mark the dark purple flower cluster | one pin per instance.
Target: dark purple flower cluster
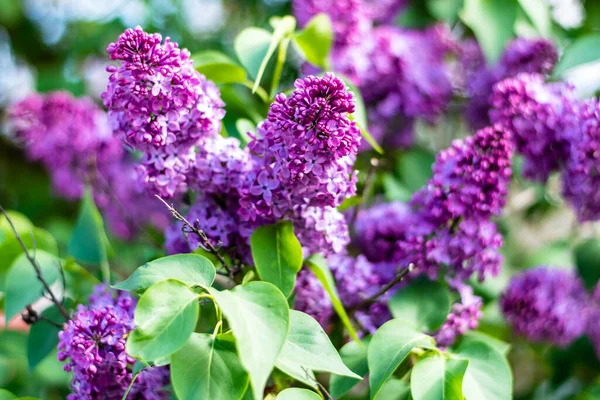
(546, 305)
(581, 174)
(93, 342)
(520, 56)
(464, 316)
(159, 104)
(73, 140)
(538, 115)
(401, 73)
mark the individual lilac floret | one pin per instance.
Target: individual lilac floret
(581, 174)
(321, 230)
(464, 316)
(310, 297)
(347, 17)
(304, 151)
(470, 178)
(93, 342)
(539, 116)
(155, 96)
(520, 56)
(546, 305)
(357, 279)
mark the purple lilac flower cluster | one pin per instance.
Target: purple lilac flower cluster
(72, 139)
(520, 56)
(546, 305)
(464, 316)
(401, 73)
(160, 105)
(93, 344)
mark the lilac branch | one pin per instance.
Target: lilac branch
(397, 279)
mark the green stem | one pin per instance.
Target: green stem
(260, 92)
(281, 55)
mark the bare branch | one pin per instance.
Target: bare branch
(397, 279)
(36, 267)
(319, 385)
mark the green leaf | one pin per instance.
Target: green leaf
(315, 40)
(88, 242)
(446, 10)
(317, 264)
(218, 67)
(492, 23)
(243, 126)
(488, 375)
(587, 259)
(22, 285)
(583, 50)
(500, 346)
(191, 269)
(6, 395)
(10, 248)
(43, 337)
(394, 389)
(354, 355)
(308, 347)
(390, 345)
(360, 116)
(277, 255)
(436, 377)
(258, 314)
(208, 367)
(414, 168)
(394, 190)
(538, 11)
(22, 224)
(424, 303)
(80, 283)
(165, 318)
(297, 394)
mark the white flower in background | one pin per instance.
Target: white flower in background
(17, 78)
(212, 11)
(585, 78)
(95, 76)
(567, 13)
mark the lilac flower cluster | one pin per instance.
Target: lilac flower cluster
(159, 104)
(520, 56)
(72, 139)
(93, 342)
(538, 115)
(464, 316)
(310, 297)
(401, 73)
(546, 305)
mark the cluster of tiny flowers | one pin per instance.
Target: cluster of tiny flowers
(546, 305)
(160, 105)
(464, 316)
(520, 56)
(581, 175)
(310, 297)
(470, 178)
(321, 230)
(73, 140)
(538, 115)
(401, 73)
(93, 342)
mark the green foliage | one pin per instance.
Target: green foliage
(192, 269)
(208, 367)
(165, 318)
(258, 314)
(307, 347)
(22, 224)
(360, 116)
(488, 375)
(538, 11)
(354, 355)
(315, 41)
(88, 242)
(22, 284)
(277, 255)
(218, 67)
(423, 303)
(318, 265)
(587, 260)
(6, 395)
(414, 168)
(581, 51)
(446, 10)
(389, 347)
(436, 377)
(43, 337)
(492, 23)
(80, 283)
(297, 394)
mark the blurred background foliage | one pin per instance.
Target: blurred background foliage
(48, 45)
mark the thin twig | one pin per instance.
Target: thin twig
(319, 385)
(31, 316)
(204, 241)
(371, 299)
(37, 269)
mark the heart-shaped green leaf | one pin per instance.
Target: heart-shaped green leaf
(436, 377)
